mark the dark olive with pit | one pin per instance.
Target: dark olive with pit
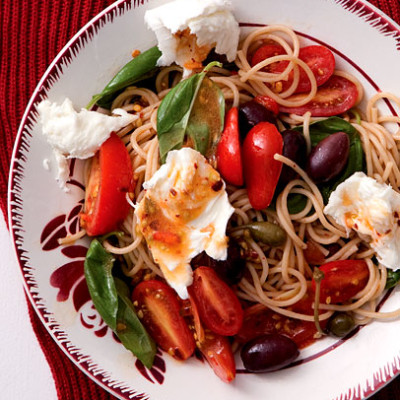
(340, 324)
(268, 352)
(294, 148)
(231, 270)
(329, 157)
(252, 113)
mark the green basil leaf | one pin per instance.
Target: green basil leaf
(320, 130)
(135, 70)
(98, 274)
(393, 278)
(192, 114)
(296, 203)
(129, 328)
(206, 120)
(111, 298)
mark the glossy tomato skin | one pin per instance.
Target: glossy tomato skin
(218, 352)
(111, 178)
(217, 304)
(229, 158)
(158, 306)
(261, 170)
(319, 58)
(260, 320)
(269, 103)
(335, 97)
(343, 279)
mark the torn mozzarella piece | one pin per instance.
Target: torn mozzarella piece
(187, 30)
(185, 211)
(372, 209)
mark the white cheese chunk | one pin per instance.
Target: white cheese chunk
(185, 211)
(210, 21)
(372, 209)
(75, 134)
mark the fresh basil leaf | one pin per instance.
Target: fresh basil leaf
(296, 203)
(393, 278)
(135, 70)
(98, 274)
(206, 120)
(192, 113)
(111, 298)
(320, 130)
(129, 328)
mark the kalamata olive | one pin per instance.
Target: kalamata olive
(266, 232)
(340, 324)
(329, 157)
(268, 353)
(230, 271)
(294, 148)
(252, 113)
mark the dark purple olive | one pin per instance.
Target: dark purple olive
(268, 353)
(230, 271)
(328, 158)
(252, 113)
(294, 148)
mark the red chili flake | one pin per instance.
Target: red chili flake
(217, 186)
(196, 166)
(173, 192)
(355, 226)
(396, 214)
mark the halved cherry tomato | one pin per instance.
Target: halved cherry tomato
(343, 280)
(261, 170)
(259, 320)
(229, 158)
(111, 178)
(218, 352)
(319, 58)
(334, 97)
(269, 103)
(216, 348)
(217, 304)
(159, 308)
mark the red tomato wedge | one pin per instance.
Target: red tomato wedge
(319, 58)
(158, 306)
(269, 103)
(218, 352)
(217, 304)
(259, 320)
(333, 98)
(229, 158)
(261, 170)
(343, 280)
(111, 178)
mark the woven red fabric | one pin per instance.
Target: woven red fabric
(31, 34)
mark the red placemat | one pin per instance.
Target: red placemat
(31, 35)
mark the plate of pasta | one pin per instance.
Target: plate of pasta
(216, 198)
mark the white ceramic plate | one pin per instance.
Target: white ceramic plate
(365, 42)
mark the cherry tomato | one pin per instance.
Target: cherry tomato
(217, 304)
(159, 307)
(215, 348)
(111, 178)
(336, 96)
(319, 58)
(229, 158)
(343, 280)
(218, 352)
(269, 103)
(261, 170)
(259, 320)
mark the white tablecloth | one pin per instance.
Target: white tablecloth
(24, 372)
